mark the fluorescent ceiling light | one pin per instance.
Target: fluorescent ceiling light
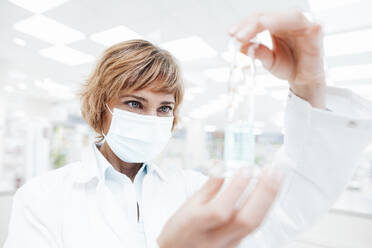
(19, 114)
(66, 55)
(220, 74)
(348, 43)
(54, 89)
(9, 88)
(17, 75)
(22, 86)
(48, 30)
(349, 73)
(38, 6)
(114, 35)
(19, 42)
(190, 48)
(195, 90)
(321, 5)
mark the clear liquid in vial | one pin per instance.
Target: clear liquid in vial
(239, 147)
(239, 144)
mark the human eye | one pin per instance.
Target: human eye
(134, 104)
(165, 109)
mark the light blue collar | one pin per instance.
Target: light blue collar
(90, 169)
(105, 169)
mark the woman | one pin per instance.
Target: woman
(115, 197)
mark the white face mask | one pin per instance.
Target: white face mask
(137, 138)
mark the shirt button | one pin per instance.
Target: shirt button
(352, 124)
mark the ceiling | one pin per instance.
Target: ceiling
(27, 73)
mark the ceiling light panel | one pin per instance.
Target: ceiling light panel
(114, 35)
(348, 43)
(321, 5)
(190, 48)
(220, 74)
(66, 55)
(350, 73)
(48, 30)
(19, 42)
(38, 6)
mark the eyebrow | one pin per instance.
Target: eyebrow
(136, 97)
(145, 100)
(167, 102)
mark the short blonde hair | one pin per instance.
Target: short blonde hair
(131, 65)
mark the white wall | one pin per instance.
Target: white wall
(5, 208)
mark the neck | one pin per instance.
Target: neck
(128, 169)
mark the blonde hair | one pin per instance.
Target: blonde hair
(131, 65)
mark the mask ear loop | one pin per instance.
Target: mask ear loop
(111, 114)
(108, 108)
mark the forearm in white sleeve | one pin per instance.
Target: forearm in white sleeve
(320, 152)
(26, 228)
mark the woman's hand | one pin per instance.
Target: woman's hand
(297, 54)
(221, 219)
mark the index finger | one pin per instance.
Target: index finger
(261, 199)
(230, 196)
(281, 22)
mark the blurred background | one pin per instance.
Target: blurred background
(49, 47)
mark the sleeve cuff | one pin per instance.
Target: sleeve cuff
(348, 112)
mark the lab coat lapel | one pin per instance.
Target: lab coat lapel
(114, 216)
(161, 198)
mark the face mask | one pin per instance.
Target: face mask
(136, 138)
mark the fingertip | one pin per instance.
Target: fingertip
(242, 35)
(262, 53)
(244, 172)
(315, 29)
(233, 30)
(273, 174)
(215, 180)
(210, 188)
(231, 34)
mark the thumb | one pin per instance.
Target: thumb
(262, 53)
(314, 38)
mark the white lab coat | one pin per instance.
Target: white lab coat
(71, 207)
